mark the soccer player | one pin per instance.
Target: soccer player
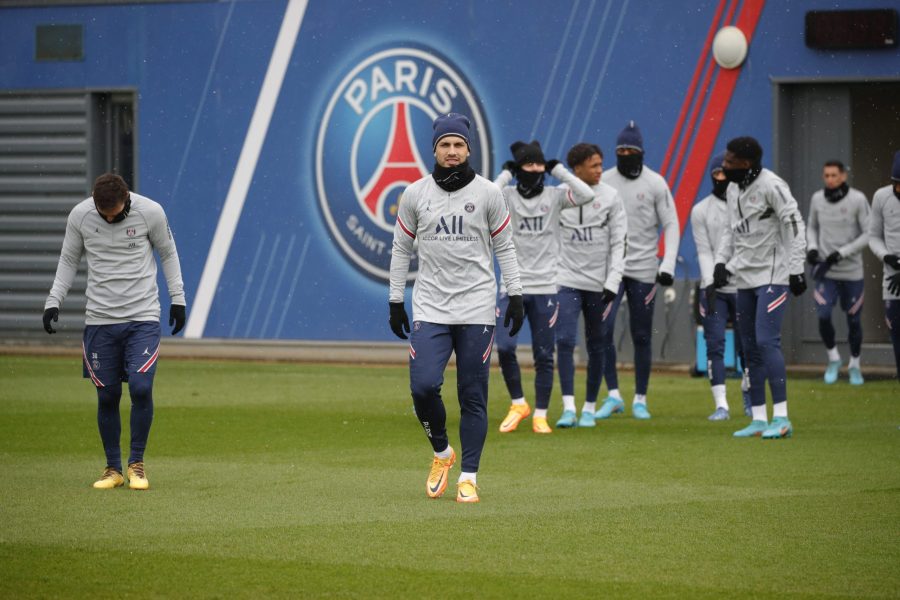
(836, 234)
(649, 206)
(118, 231)
(763, 247)
(708, 218)
(534, 211)
(460, 221)
(884, 240)
(591, 263)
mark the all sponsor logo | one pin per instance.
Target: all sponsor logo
(375, 140)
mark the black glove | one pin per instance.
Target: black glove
(608, 296)
(399, 321)
(550, 164)
(893, 260)
(797, 284)
(834, 258)
(510, 166)
(176, 317)
(710, 292)
(812, 257)
(894, 284)
(721, 275)
(664, 279)
(515, 312)
(51, 314)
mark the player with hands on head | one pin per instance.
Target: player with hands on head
(591, 263)
(649, 207)
(460, 222)
(118, 231)
(763, 247)
(836, 233)
(718, 306)
(884, 241)
(534, 212)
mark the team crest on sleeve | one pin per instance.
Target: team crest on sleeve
(374, 140)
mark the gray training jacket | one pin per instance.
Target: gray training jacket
(765, 241)
(840, 226)
(884, 232)
(121, 284)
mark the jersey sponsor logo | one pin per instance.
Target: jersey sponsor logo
(531, 224)
(374, 140)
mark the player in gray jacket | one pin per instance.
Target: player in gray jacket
(763, 248)
(884, 240)
(709, 218)
(836, 233)
(118, 231)
(649, 207)
(535, 211)
(591, 263)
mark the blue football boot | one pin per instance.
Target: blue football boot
(754, 429)
(567, 419)
(779, 428)
(610, 406)
(639, 411)
(587, 419)
(832, 370)
(721, 414)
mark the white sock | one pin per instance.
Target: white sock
(718, 392)
(854, 362)
(518, 401)
(589, 407)
(779, 410)
(615, 394)
(467, 477)
(444, 453)
(540, 412)
(640, 399)
(833, 354)
(569, 403)
(759, 413)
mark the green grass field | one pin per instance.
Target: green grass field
(308, 481)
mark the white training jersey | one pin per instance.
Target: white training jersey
(649, 206)
(592, 242)
(458, 234)
(884, 232)
(840, 226)
(535, 226)
(121, 285)
(709, 218)
(765, 241)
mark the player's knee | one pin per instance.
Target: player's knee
(641, 338)
(141, 388)
(109, 396)
(424, 389)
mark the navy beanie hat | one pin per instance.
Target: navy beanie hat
(450, 124)
(527, 153)
(895, 171)
(630, 138)
(715, 163)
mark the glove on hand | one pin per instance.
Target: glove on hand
(720, 275)
(834, 258)
(550, 164)
(797, 284)
(893, 260)
(812, 257)
(399, 321)
(177, 317)
(894, 284)
(515, 312)
(608, 296)
(510, 166)
(664, 279)
(51, 314)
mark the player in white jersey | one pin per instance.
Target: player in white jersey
(535, 210)
(717, 307)
(836, 233)
(649, 205)
(884, 240)
(591, 263)
(118, 231)
(460, 222)
(763, 248)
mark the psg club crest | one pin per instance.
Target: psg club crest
(375, 139)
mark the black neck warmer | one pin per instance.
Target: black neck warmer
(455, 178)
(837, 193)
(529, 184)
(743, 177)
(719, 188)
(630, 165)
(119, 217)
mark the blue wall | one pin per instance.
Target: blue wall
(563, 74)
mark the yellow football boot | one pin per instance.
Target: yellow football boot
(539, 425)
(110, 479)
(136, 478)
(437, 477)
(517, 412)
(466, 491)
